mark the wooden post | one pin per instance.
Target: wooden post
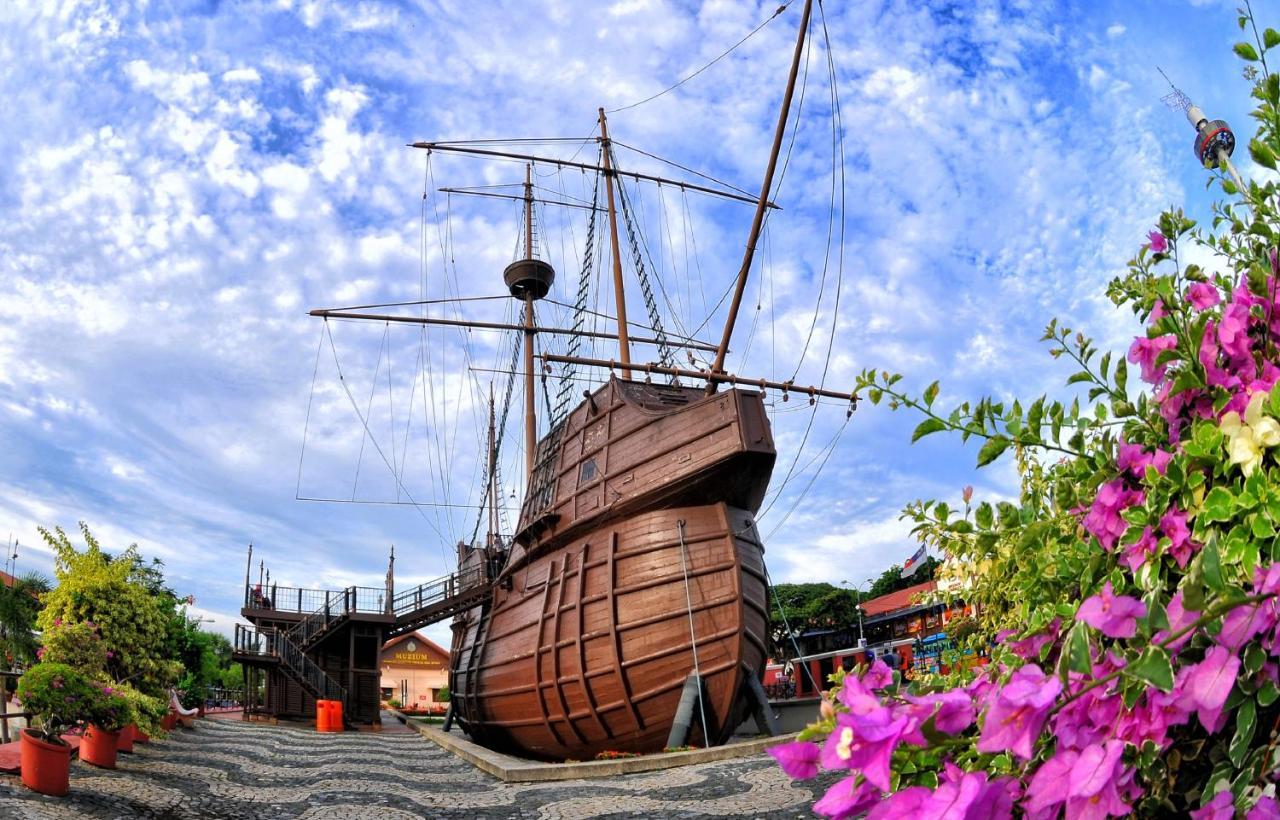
(248, 567)
(624, 346)
(763, 201)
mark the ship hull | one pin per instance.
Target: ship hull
(586, 647)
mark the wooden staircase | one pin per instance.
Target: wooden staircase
(273, 647)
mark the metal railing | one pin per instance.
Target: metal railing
(285, 599)
(270, 642)
(336, 607)
(438, 591)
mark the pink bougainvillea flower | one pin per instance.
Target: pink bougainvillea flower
(1157, 242)
(1233, 331)
(856, 697)
(1104, 520)
(1204, 687)
(952, 711)
(1242, 623)
(1219, 808)
(1203, 295)
(902, 805)
(1137, 553)
(1266, 808)
(1115, 616)
(865, 742)
(1133, 459)
(1174, 525)
(1087, 781)
(1050, 786)
(1028, 648)
(1018, 711)
(799, 759)
(1179, 619)
(1157, 312)
(1143, 352)
(847, 798)
(878, 676)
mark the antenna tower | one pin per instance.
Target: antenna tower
(1214, 138)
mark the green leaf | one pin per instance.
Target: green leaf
(926, 427)
(1262, 528)
(992, 450)
(1246, 722)
(930, 393)
(1217, 505)
(1245, 51)
(1122, 375)
(1270, 38)
(1193, 585)
(1154, 667)
(1262, 154)
(985, 516)
(1213, 566)
(1254, 658)
(1078, 659)
(1268, 694)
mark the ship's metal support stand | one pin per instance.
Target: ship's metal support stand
(690, 701)
(760, 709)
(448, 717)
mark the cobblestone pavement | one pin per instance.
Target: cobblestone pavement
(245, 772)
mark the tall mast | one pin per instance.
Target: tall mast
(530, 420)
(493, 476)
(758, 221)
(624, 345)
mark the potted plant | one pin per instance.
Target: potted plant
(59, 698)
(111, 712)
(147, 716)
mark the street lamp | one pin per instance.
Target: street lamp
(862, 640)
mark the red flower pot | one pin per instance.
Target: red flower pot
(99, 747)
(127, 735)
(168, 722)
(46, 766)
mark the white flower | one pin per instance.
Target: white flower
(1248, 440)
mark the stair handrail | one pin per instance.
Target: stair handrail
(454, 585)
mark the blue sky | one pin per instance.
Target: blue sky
(183, 181)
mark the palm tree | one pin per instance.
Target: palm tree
(19, 605)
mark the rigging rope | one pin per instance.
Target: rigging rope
(693, 635)
(720, 57)
(579, 311)
(665, 355)
(490, 473)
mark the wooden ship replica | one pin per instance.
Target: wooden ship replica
(627, 611)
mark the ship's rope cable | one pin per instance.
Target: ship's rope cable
(408, 419)
(306, 424)
(825, 455)
(368, 432)
(837, 184)
(369, 407)
(662, 289)
(501, 426)
(693, 634)
(391, 412)
(665, 356)
(782, 612)
(717, 59)
(430, 423)
(374, 503)
(574, 345)
(664, 220)
(684, 168)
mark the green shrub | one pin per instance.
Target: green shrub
(59, 697)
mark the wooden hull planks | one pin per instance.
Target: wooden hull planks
(589, 648)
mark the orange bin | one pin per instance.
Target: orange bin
(335, 716)
(322, 715)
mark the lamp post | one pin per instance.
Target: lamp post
(862, 640)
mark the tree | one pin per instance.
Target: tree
(808, 607)
(95, 588)
(891, 579)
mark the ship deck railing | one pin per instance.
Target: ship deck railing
(438, 599)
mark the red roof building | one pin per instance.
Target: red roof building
(894, 601)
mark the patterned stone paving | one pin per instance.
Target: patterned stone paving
(239, 771)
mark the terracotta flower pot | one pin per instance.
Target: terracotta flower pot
(46, 767)
(127, 735)
(99, 747)
(168, 722)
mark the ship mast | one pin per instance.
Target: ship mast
(758, 221)
(493, 476)
(530, 419)
(624, 346)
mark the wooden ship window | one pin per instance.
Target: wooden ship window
(587, 471)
